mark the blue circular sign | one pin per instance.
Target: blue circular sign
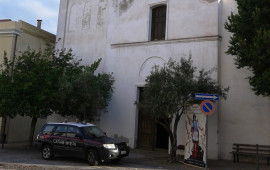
(207, 107)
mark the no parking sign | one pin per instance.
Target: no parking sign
(207, 107)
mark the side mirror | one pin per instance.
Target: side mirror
(79, 136)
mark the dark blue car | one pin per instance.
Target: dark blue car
(77, 139)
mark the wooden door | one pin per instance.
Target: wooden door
(146, 132)
(146, 128)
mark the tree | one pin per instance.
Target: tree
(29, 83)
(250, 43)
(30, 86)
(84, 94)
(170, 89)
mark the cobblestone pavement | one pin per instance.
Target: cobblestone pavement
(30, 159)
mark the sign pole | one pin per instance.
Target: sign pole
(206, 135)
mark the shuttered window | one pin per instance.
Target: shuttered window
(158, 23)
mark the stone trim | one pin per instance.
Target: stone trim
(12, 31)
(170, 41)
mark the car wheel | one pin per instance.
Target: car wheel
(117, 160)
(47, 152)
(92, 157)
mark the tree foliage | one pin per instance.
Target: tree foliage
(170, 89)
(250, 41)
(35, 85)
(29, 83)
(84, 94)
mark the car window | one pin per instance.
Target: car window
(72, 131)
(93, 132)
(48, 129)
(60, 131)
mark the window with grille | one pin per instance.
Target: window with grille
(158, 26)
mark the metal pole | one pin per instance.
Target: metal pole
(257, 157)
(3, 134)
(206, 136)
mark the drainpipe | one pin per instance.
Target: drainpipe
(3, 134)
(4, 121)
(14, 53)
(65, 26)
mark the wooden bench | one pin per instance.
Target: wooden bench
(251, 150)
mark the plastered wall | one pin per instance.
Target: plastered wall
(118, 32)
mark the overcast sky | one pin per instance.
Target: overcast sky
(31, 10)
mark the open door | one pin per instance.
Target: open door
(150, 134)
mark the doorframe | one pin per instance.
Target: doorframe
(137, 92)
(137, 89)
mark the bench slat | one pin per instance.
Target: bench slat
(249, 149)
(251, 154)
(250, 145)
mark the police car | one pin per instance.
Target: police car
(78, 139)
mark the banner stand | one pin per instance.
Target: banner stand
(196, 137)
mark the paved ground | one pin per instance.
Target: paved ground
(30, 159)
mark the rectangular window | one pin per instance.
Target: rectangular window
(158, 27)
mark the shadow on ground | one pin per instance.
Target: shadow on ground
(31, 159)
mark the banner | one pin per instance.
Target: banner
(195, 133)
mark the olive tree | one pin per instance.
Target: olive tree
(170, 89)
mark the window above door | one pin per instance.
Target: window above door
(158, 25)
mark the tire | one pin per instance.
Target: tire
(117, 160)
(47, 152)
(92, 157)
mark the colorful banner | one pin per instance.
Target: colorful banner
(195, 133)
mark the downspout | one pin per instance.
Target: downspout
(14, 52)
(65, 26)
(3, 134)
(4, 121)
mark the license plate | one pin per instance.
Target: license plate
(123, 152)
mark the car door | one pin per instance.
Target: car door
(59, 138)
(74, 140)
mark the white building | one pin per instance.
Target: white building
(132, 36)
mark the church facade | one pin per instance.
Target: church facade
(132, 36)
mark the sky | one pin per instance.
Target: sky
(31, 10)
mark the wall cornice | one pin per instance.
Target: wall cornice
(169, 41)
(10, 31)
(37, 32)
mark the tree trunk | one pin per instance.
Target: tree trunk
(167, 126)
(32, 130)
(172, 134)
(173, 139)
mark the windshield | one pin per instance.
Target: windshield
(93, 132)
